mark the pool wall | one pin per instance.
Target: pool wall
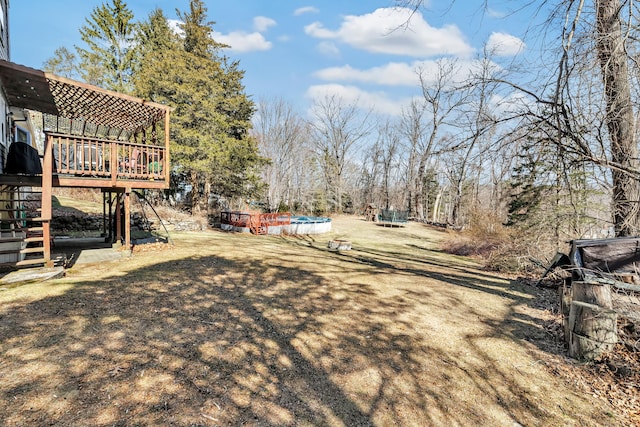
(307, 227)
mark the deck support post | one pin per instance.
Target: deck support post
(104, 214)
(166, 161)
(47, 192)
(127, 218)
(119, 217)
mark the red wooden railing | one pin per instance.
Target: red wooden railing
(257, 222)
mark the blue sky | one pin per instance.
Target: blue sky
(300, 50)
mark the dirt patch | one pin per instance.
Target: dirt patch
(235, 329)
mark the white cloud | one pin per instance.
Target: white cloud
(494, 13)
(175, 24)
(262, 23)
(379, 102)
(307, 9)
(399, 31)
(398, 73)
(512, 103)
(240, 41)
(318, 31)
(503, 44)
(328, 49)
(392, 74)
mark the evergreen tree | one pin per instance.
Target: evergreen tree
(528, 188)
(210, 144)
(157, 48)
(108, 60)
(552, 193)
(62, 63)
(197, 31)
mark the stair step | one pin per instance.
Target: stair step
(31, 262)
(32, 250)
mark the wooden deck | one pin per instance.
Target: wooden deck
(94, 138)
(72, 161)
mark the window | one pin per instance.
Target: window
(22, 135)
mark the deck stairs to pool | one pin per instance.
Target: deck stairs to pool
(257, 226)
(260, 230)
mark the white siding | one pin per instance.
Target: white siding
(5, 138)
(4, 29)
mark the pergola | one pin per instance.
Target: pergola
(50, 94)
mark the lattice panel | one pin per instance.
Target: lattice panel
(77, 102)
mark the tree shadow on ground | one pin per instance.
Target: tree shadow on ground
(219, 341)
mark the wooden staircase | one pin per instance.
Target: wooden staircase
(256, 226)
(22, 227)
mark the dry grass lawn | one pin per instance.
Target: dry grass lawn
(234, 329)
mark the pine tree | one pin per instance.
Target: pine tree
(62, 63)
(108, 60)
(527, 187)
(157, 49)
(210, 144)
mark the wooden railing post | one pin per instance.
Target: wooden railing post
(47, 179)
(113, 163)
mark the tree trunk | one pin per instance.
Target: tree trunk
(436, 206)
(593, 293)
(592, 328)
(419, 195)
(197, 199)
(619, 118)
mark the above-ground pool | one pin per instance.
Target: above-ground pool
(308, 225)
(273, 223)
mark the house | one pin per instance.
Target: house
(56, 132)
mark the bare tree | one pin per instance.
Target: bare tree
(478, 123)
(282, 137)
(412, 128)
(443, 100)
(619, 116)
(611, 32)
(370, 174)
(387, 149)
(338, 129)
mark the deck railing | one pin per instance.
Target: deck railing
(100, 158)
